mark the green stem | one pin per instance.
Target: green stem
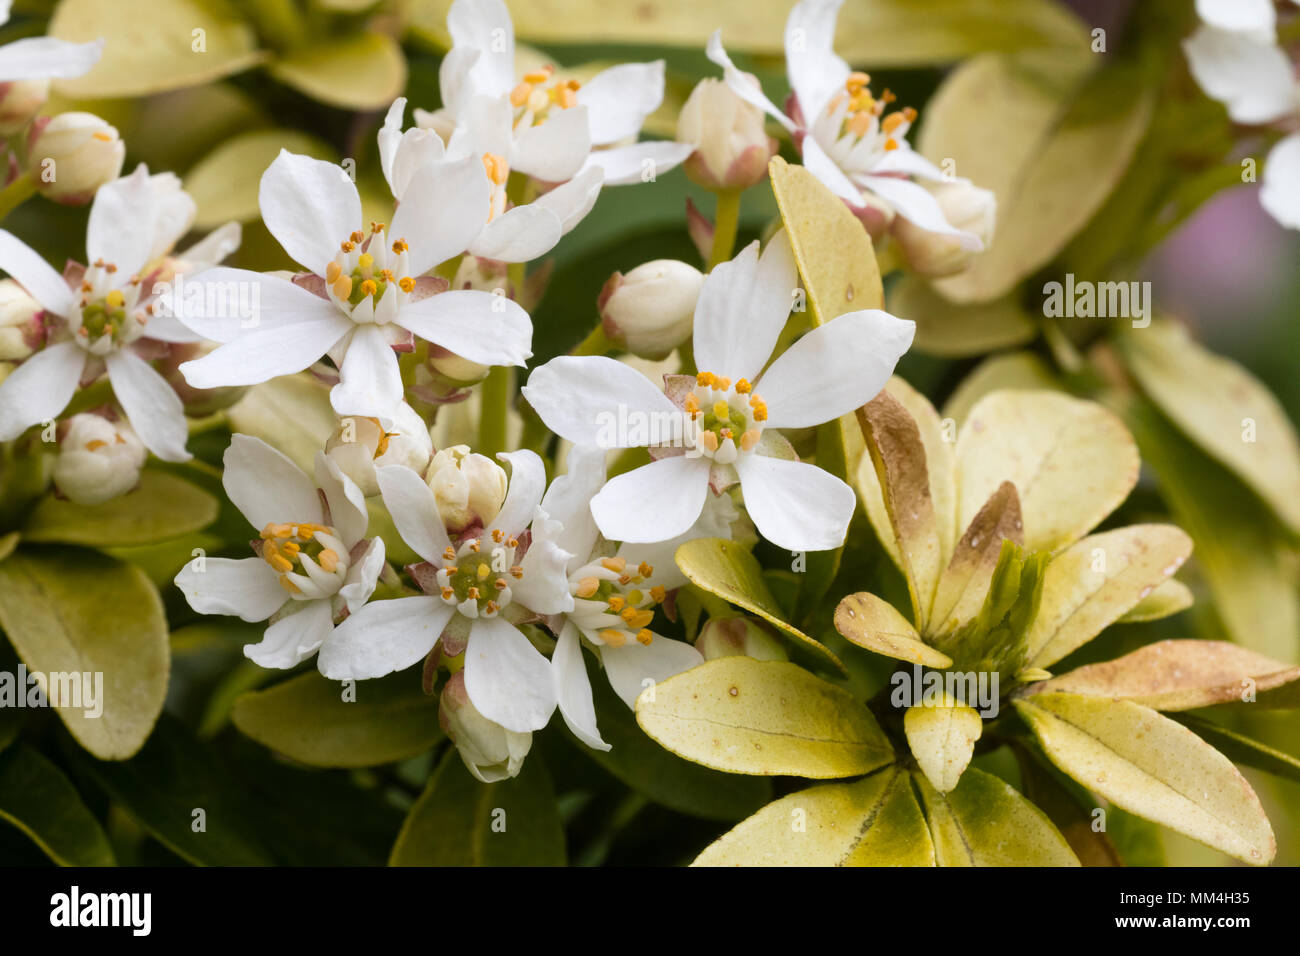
(596, 343)
(495, 392)
(726, 222)
(16, 193)
(1063, 350)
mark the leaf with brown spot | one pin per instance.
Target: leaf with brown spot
(965, 582)
(870, 622)
(1165, 601)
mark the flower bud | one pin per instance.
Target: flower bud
(469, 488)
(98, 460)
(20, 324)
(490, 751)
(651, 310)
(360, 445)
(19, 102)
(966, 207)
(451, 372)
(73, 154)
(731, 146)
(739, 637)
(198, 402)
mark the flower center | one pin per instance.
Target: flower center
(533, 99)
(610, 602)
(105, 322)
(475, 579)
(364, 269)
(863, 117)
(310, 559)
(726, 420)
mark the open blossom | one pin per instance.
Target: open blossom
(98, 319)
(314, 563)
(721, 427)
(476, 591)
(543, 127)
(616, 591)
(361, 446)
(1245, 69)
(363, 295)
(846, 135)
(44, 58)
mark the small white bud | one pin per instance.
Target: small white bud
(20, 327)
(80, 151)
(360, 445)
(469, 488)
(490, 752)
(966, 207)
(651, 310)
(731, 146)
(19, 103)
(739, 637)
(98, 460)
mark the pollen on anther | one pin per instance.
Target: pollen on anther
(449, 553)
(406, 283)
(498, 535)
(587, 587)
(657, 594)
(472, 594)
(448, 594)
(645, 569)
(517, 571)
(617, 565)
(644, 636)
(612, 637)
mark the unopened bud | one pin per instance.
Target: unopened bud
(98, 460)
(490, 752)
(731, 146)
(469, 488)
(20, 323)
(966, 207)
(651, 310)
(361, 445)
(72, 155)
(739, 637)
(19, 102)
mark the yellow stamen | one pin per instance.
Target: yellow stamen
(343, 286)
(644, 636)
(721, 409)
(743, 386)
(617, 565)
(616, 603)
(328, 559)
(95, 445)
(115, 299)
(657, 593)
(289, 586)
(704, 378)
(539, 76)
(368, 287)
(612, 637)
(406, 284)
(587, 587)
(645, 569)
(332, 272)
(519, 95)
(280, 563)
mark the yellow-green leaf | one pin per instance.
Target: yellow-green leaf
(869, 622)
(946, 329)
(155, 46)
(1072, 463)
(160, 508)
(986, 822)
(965, 582)
(291, 414)
(327, 724)
(40, 800)
(1165, 601)
(1242, 749)
(1223, 408)
(1178, 675)
(763, 717)
(942, 738)
(365, 71)
(1092, 584)
(76, 612)
(1011, 370)
(726, 569)
(1150, 765)
(225, 183)
(873, 822)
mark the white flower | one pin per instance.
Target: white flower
(83, 152)
(473, 593)
(363, 445)
(95, 323)
(847, 139)
(98, 459)
(44, 58)
(1255, 79)
(615, 593)
(364, 295)
(517, 233)
(725, 429)
(314, 561)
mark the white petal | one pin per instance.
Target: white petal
(40, 58)
(213, 248)
(370, 383)
(154, 408)
(555, 150)
(389, 137)
(347, 504)
(266, 486)
(527, 482)
(310, 206)
(34, 274)
(619, 99)
(383, 637)
(507, 679)
(568, 500)
(572, 201)
(594, 400)
(120, 229)
(414, 509)
(817, 162)
(638, 163)
(795, 505)
(815, 72)
(918, 206)
(246, 588)
(295, 637)
(1256, 17)
(225, 304)
(363, 575)
(1280, 193)
(742, 83)
(479, 326)
(485, 25)
(38, 389)
(167, 328)
(635, 666)
(834, 369)
(909, 161)
(1254, 80)
(485, 128)
(715, 521)
(267, 352)
(455, 83)
(654, 502)
(443, 208)
(573, 688)
(544, 587)
(742, 308)
(520, 234)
